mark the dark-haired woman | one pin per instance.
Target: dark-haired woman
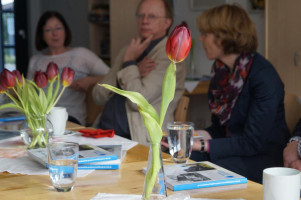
(53, 38)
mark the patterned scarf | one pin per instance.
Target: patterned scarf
(225, 86)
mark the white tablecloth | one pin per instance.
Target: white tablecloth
(14, 158)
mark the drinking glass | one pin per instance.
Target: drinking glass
(62, 164)
(180, 140)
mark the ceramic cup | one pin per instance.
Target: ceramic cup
(281, 183)
(58, 117)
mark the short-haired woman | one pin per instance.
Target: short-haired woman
(248, 131)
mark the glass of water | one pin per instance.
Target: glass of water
(180, 140)
(62, 164)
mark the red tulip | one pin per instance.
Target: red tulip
(40, 78)
(2, 88)
(7, 79)
(178, 43)
(67, 76)
(18, 76)
(52, 70)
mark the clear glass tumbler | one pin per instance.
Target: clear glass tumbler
(180, 140)
(62, 164)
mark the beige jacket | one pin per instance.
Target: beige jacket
(150, 87)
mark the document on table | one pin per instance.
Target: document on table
(191, 85)
(104, 196)
(25, 165)
(116, 140)
(20, 163)
(4, 134)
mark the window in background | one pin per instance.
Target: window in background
(13, 35)
(8, 54)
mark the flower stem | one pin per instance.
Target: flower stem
(153, 171)
(20, 99)
(37, 125)
(15, 101)
(57, 99)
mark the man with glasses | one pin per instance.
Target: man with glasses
(140, 67)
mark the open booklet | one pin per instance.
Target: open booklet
(9, 114)
(177, 196)
(204, 176)
(112, 164)
(90, 156)
(199, 175)
(10, 123)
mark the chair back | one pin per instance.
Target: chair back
(292, 110)
(93, 109)
(182, 109)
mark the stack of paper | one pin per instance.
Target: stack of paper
(90, 157)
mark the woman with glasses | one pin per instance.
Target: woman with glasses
(53, 38)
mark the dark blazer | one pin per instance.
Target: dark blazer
(257, 131)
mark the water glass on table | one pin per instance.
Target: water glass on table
(62, 164)
(180, 140)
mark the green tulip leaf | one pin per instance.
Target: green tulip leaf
(15, 100)
(55, 98)
(43, 101)
(152, 126)
(11, 105)
(49, 91)
(136, 98)
(155, 133)
(57, 88)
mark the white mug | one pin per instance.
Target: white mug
(281, 183)
(58, 117)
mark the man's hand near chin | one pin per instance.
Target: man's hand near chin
(136, 48)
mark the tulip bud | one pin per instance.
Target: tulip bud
(2, 88)
(67, 76)
(179, 43)
(40, 78)
(52, 70)
(18, 76)
(7, 79)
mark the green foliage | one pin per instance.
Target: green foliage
(151, 119)
(32, 100)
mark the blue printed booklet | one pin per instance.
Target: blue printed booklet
(9, 115)
(199, 175)
(88, 154)
(112, 164)
(5, 134)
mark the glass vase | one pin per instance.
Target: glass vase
(154, 183)
(35, 131)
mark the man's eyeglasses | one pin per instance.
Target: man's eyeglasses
(149, 18)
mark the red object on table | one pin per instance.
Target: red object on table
(97, 133)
